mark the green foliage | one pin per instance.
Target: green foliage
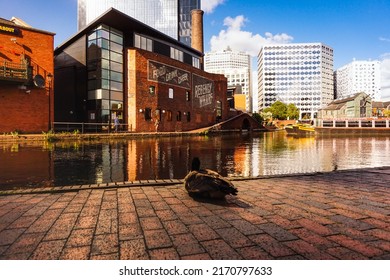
(386, 113)
(282, 111)
(49, 136)
(259, 118)
(292, 112)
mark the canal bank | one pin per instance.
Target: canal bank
(335, 215)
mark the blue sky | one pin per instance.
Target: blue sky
(355, 29)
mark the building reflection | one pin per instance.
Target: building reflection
(77, 163)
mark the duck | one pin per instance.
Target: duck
(206, 183)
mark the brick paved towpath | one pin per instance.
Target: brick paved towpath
(338, 215)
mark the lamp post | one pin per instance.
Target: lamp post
(49, 80)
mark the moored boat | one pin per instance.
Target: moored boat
(300, 129)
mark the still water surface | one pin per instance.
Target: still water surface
(271, 153)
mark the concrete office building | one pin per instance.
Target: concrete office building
(358, 76)
(171, 17)
(236, 66)
(301, 74)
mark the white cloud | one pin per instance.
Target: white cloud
(385, 77)
(241, 40)
(384, 39)
(208, 6)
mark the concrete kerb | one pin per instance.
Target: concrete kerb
(163, 182)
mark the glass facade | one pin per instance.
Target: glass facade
(171, 17)
(105, 74)
(301, 74)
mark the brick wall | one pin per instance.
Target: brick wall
(139, 96)
(26, 109)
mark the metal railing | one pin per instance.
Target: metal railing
(76, 127)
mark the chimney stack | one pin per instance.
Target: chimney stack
(197, 30)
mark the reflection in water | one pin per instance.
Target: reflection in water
(68, 163)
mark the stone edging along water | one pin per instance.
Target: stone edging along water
(166, 182)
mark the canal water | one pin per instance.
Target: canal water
(233, 155)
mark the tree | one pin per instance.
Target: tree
(386, 113)
(292, 111)
(278, 110)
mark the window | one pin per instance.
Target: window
(143, 43)
(176, 54)
(188, 95)
(169, 115)
(170, 93)
(178, 116)
(148, 114)
(152, 90)
(188, 116)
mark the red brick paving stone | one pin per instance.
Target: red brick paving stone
(164, 254)
(308, 250)
(175, 227)
(245, 227)
(104, 244)
(283, 222)
(84, 222)
(8, 236)
(277, 232)
(133, 250)
(107, 222)
(92, 210)
(215, 222)
(203, 232)
(49, 250)
(253, 253)
(377, 223)
(343, 253)
(201, 211)
(380, 244)
(220, 250)
(130, 231)
(252, 218)
(25, 244)
(190, 219)
(166, 215)
(62, 227)
(17, 256)
(113, 256)
(145, 212)
(127, 218)
(204, 256)
(76, 253)
(150, 223)
(186, 244)
(355, 245)
(160, 205)
(341, 229)
(80, 237)
(315, 227)
(3, 249)
(23, 222)
(271, 246)
(313, 238)
(357, 224)
(348, 213)
(157, 239)
(45, 221)
(379, 233)
(227, 215)
(234, 238)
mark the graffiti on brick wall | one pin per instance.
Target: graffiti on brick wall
(166, 74)
(203, 91)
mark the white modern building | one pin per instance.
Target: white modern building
(359, 76)
(171, 17)
(236, 66)
(301, 74)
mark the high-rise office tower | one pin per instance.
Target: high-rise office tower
(171, 17)
(236, 66)
(358, 76)
(301, 74)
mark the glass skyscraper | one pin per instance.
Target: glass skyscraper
(171, 17)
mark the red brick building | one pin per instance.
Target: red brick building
(120, 67)
(26, 68)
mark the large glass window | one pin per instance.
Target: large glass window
(105, 73)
